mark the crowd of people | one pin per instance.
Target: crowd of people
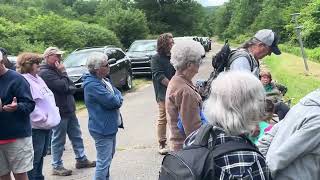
(37, 111)
(244, 106)
(35, 100)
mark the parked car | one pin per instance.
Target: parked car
(13, 62)
(206, 43)
(13, 59)
(140, 53)
(120, 66)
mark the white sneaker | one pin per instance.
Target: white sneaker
(162, 149)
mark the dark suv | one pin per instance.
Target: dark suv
(120, 66)
(140, 53)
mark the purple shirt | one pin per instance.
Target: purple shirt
(46, 114)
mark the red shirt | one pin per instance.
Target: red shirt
(7, 141)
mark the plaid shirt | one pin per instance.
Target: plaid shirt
(240, 165)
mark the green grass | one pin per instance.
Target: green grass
(137, 83)
(80, 104)
(289, 70)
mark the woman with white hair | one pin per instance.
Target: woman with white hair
(234, 108)
(182, 97)
(103, 102)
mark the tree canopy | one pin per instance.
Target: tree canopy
(70, 24)
(241, 19)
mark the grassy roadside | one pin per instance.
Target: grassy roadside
(288, 69)
(137, 84)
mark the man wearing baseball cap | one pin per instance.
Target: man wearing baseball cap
(54, 74)
(247, 57)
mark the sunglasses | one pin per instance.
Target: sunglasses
(32, 62)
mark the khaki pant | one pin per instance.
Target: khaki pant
(162, 123)
(16, 156)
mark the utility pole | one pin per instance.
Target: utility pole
(298, 30)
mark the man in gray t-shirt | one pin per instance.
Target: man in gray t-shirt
(247, 57)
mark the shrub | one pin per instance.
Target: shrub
(68, 34)
(128, 25)
(312, 54)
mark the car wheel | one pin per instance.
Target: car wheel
(128, 84)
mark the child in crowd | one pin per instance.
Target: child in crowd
(265, 125)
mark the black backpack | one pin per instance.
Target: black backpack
(196, 161)
(221, 62)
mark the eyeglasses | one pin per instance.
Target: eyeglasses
(106, 65)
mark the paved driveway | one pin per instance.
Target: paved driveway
(136, 156)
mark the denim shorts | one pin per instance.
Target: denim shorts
(16, 157)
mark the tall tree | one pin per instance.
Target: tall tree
(310, 20)
(129, 25)
(272, 17)
(243, 15)
(180, 17)
(221, 19)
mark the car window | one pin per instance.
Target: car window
(143, 46)
(111, 54)
(78, 58)
(12, 59)
(120, 55)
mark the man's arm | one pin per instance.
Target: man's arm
(104, 97)
(189, 112)
(303, 141)
(22, 96)
(158, 72)
(58, 83)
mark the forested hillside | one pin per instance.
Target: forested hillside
(239, 19)
(32, 25)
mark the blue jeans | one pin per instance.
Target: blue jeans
(50, 138)
(69, 124)
(105, 147)
(40, 140)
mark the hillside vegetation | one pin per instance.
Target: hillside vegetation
(289, 70)
(33, 25)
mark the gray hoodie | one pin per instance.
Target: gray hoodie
(294, 152)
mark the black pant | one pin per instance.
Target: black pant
(281, 109)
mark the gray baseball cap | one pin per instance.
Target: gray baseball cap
(269, 38)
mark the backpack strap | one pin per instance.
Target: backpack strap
(232, 146)
(240, 53)
(203, 135)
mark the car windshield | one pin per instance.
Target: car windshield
(77, 59)
(12, 59)
(141, 46)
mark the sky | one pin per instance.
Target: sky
(211, 2)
